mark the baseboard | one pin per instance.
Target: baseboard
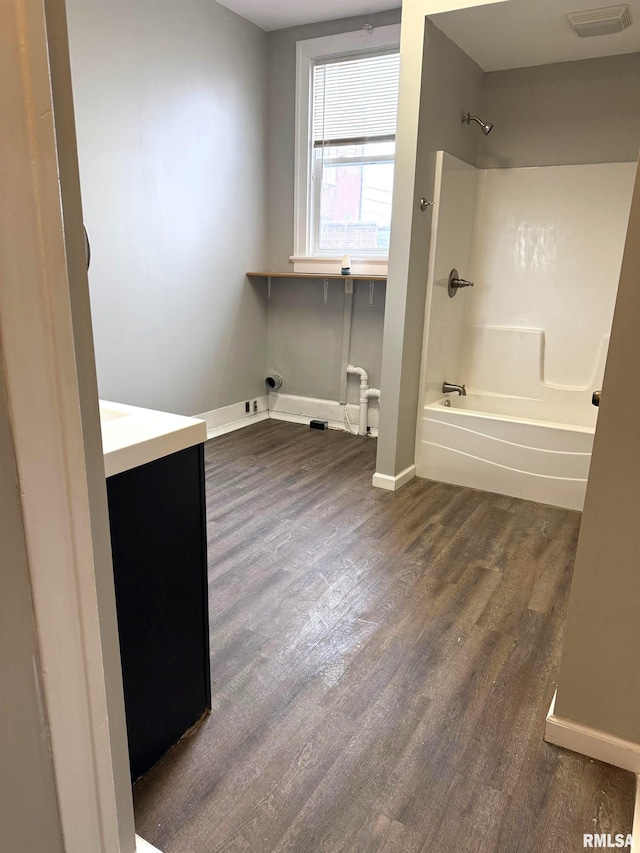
(592, 742)
(286, 407)
(229, 418)
(300, 410)
(392, 484)
(143, 846)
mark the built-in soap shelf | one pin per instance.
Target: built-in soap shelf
(511, 361)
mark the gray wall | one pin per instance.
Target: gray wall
(569, 112)
(451, 84)
(28, 804)
(599, 680)
(304, 334)
(171, 114)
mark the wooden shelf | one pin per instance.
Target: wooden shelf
(319, 276)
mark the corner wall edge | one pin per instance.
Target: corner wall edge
(595, 743)
(393, 483)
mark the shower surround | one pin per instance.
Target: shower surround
(544, 247)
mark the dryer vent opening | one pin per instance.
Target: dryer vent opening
(273, 382)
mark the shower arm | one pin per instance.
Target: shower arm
(486, 128)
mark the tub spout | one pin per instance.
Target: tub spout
(447, 387)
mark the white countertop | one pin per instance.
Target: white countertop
(132, 436)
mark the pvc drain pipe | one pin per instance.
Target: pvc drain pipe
(366, 394)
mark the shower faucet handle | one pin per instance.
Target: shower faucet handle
(455, 283)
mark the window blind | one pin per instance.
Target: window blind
(355, 99)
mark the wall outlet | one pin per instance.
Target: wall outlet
(255, 407)
(247, 407)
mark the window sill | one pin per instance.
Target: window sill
(333, 266)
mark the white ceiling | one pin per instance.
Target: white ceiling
(533, 32)
(277, 14)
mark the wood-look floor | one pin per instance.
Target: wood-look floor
(382, 665)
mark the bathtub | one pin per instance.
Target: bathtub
(539, 450)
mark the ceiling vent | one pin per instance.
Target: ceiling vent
(601, 22)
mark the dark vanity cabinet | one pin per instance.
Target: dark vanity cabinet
(158, 537)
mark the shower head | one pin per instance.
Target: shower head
(486, 128)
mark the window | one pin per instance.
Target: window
(347, 106)
(355, 102)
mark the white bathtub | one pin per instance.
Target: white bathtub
(532, 449)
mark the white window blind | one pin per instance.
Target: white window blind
(355, 100)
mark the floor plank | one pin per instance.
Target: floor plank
(382, 664)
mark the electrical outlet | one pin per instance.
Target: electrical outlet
(255, 407)
(247, 407)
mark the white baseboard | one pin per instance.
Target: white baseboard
(592, 742)
(300, 410)
(392, 484)
(286, 407)
(229, 418)
(143, 846)
(304, 419)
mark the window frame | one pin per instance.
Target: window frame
(309, 52)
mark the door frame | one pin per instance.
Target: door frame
(49, 373)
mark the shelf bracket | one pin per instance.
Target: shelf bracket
(326, 290)
(372, 287)
(268, 287)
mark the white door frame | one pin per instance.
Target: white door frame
(54, 420)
